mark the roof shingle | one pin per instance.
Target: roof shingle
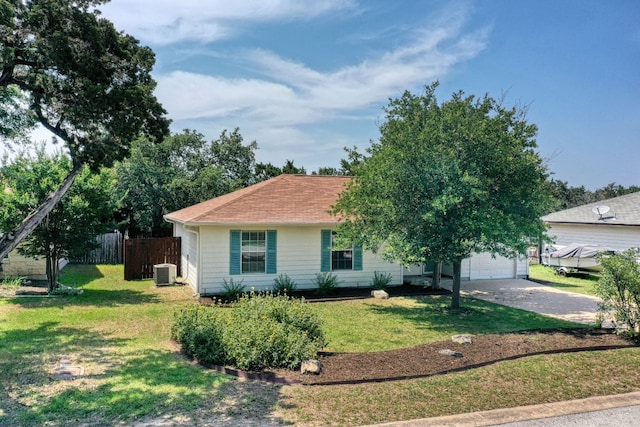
(624, 210)
(285, 199)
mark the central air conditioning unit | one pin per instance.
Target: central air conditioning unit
(164, 274)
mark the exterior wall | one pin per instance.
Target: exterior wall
(189, 260)
(482, 266)
(616, 237)
(18, 265)
(298, 255)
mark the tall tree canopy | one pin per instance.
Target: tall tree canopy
(445, 181)
(69, 230)
(182, 170)
(70, 70)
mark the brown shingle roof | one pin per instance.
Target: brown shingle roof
(286, 199)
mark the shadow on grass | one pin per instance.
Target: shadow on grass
(90, 297)
(78, 275)
(474, 317)
(118, 385)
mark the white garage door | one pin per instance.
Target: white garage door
(483, 266)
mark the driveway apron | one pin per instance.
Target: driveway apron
(531, 296)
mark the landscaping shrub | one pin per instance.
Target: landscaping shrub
(326, 283)
(258, 331)
(380, 281)
(619, 288)
(283, 284)
(233, 289)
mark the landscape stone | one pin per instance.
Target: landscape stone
(311, 367)
(447, 352)
(461, 339)
(380, 294)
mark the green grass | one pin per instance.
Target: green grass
(376, 325)
(578, 283)
(119, 333)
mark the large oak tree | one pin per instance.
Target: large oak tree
(65, 67)
(445, 181)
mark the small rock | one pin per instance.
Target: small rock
(380, 294)
(448, 352)
(461, 339)
(311, 367)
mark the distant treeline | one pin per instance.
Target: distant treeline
(569, 197)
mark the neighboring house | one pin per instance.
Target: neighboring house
(612, 222)
(283, 226)
(16, 265)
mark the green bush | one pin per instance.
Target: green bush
(619, 288)
(256, 332)
(326, 283)
(380, 281)
(232, 289)
(283, 284)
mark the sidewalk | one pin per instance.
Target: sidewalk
(556, 410)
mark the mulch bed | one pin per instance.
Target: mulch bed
(425, 360)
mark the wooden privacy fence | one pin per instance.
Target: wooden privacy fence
(110, 251)
(140, 255)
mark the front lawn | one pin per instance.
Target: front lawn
(118, 332)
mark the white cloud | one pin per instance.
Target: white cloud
(162, 22)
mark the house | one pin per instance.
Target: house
(283, 226)
(16, 265)
(613, 222)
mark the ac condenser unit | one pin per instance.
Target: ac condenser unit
(164, 274)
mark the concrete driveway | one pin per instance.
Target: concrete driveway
(531, 296)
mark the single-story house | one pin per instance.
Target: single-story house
(613, 222)
(282, 225)
(16, 265)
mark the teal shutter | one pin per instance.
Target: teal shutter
(325, 254)
(235, 252)
(357, 257)
(272, 252)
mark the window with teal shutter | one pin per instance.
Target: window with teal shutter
(333, 258)
(325, 254)
(235, 258)
(272, 252)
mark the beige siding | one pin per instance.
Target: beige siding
(298, 253)
(617, 237)
(18, 265)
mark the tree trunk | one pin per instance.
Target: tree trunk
(455, 291)
(437, 273)
(10, 240)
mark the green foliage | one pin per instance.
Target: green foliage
(447, 180)
(283, 284)
(380, 281)
(232, 289)
(619, 288)
(85, 81)
(84, 212)
(10, 283)
(258, 331)
(182, 170)
(326, 283)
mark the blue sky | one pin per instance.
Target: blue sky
(307, 78)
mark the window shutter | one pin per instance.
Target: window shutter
(357, 257)
(235, 253)
(272, 252)
(325, 254)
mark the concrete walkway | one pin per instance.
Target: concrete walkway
(532, 296)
